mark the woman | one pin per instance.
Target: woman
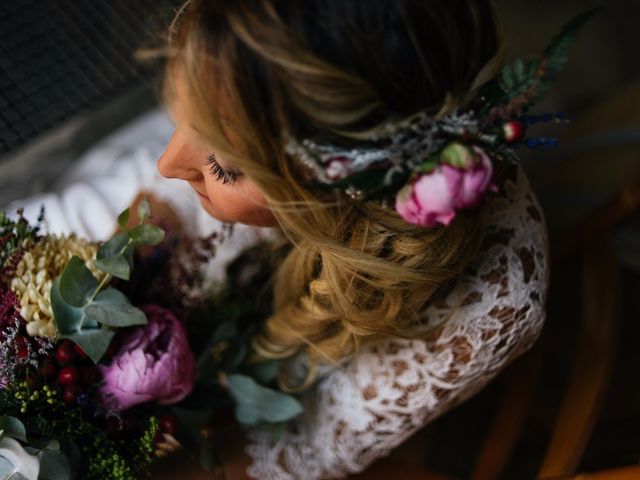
(385, 324)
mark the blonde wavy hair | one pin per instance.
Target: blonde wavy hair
(335, 70)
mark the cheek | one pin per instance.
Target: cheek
(242, 203)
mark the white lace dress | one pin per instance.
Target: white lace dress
(357, 413)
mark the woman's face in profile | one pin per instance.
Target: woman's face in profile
(225, 192)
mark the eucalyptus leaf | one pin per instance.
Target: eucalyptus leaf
(128, 255)
(54, 465)
(123, 219)
(255, 403)
(69, 319)
(264, 371)
(117, 266)
(94, 342)
(144, 209)
(146, 234)
(13, 428)
(111, 307)
(113, 247)
(77, 283)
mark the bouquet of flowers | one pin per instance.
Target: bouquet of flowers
(104, 367)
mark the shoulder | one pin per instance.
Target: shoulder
(363, 408)
(495, 313)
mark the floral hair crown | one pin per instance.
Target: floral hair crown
(437, 166)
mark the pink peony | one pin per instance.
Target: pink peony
(434, 197)
(153, 363)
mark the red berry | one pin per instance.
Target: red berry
(68, 375)
(70, 394)
(81, 353)
(65, 352)
(168, 423)
(88, 375)
(513, 131)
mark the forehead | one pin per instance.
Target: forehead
(174, 94)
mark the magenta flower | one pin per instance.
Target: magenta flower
(153, 363)
(435, 197)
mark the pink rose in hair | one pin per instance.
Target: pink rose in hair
(458, 182)
(153, 363)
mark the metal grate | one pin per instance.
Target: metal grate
(58, 58)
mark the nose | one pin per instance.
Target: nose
(177, 161)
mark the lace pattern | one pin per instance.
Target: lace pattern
(361, 411)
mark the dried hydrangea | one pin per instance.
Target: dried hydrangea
(35, 273)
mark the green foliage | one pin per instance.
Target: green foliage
(85, 311)
(146, 444)
(81, 309)
(112, 308)
(524, 81)
(226, 376)
(264, 372)
(123, 219)
(93, 341)
(255, 403)
(77, 283)
(144, 210)
(118, 266)
(428, 166)
(519, 77)
(35, 417)
(119, 461)
(146, 235)
(14, 234)
(113, 247)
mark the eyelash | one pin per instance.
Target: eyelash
(220, 173)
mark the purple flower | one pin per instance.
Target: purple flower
(434, 197)
(153, 363)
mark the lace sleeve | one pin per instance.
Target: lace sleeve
(387, 392)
